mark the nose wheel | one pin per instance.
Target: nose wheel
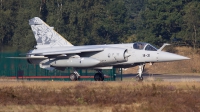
(140, 79)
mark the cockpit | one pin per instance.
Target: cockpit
(144, 46)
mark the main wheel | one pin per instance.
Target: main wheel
(73, 77)
(98, 77)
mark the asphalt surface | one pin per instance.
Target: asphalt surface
(148, 77)
(163, 77)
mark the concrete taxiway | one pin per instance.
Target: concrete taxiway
(132, 77)
(163, 77)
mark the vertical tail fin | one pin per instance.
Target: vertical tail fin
(45, 35)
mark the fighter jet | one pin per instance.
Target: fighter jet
(55, 52)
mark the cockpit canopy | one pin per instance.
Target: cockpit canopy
(144, 46)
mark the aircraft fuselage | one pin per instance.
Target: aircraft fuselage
(116, 55)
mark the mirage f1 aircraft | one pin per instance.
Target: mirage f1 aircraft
(54, 52)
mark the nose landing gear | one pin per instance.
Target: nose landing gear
(140, 71)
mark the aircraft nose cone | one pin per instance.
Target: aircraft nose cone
(165, 56)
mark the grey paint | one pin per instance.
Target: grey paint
(60, 52)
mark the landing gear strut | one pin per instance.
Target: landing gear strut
(99, 76)
(74, 76)
(140, 71)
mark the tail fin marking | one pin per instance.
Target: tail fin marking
(45, 35)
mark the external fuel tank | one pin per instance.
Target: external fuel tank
(75, 62)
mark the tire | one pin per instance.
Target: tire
(98, 77)
(140, 79)
(73, 77)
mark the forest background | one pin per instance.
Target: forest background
(91, 22)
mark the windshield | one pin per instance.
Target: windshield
(146, 46)
(139, 45)
(150, 48)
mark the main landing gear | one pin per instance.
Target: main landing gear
(74, 76)
(97, 77)
(140, 71)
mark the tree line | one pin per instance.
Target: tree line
(84, 22)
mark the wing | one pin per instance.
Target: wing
(35, 57)
(65, 52)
